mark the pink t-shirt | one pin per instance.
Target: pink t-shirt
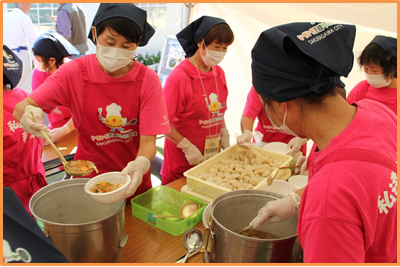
(254, 109)
(60, 115)
(348, 211)
(23, 169)
(386, 96)
(194, 111)
(66, 88)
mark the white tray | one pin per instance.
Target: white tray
(213, 191)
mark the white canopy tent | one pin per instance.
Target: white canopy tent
(248, 20)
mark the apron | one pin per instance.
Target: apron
(109, 127)
(29, 175)
(195, 127)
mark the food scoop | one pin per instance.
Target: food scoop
(185, 210)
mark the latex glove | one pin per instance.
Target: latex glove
(224, 138)
(192, 153)
(295, 145)
(245, 137)
(57, 133)
(277, 210)
(33, 127)
(136, 169)
(301, 164)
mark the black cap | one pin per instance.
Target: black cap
(12, 67)
(127, 11)
(195, 31)
(389, 44)
(52, 44)
(283, 57)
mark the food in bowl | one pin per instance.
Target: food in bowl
(243, 170)
(257, 234)
(80, 166)
(104, 187)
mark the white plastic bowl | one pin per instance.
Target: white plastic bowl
(298, 181)
(207, 215)
(277, 147)
(109, 197)
(278, 186)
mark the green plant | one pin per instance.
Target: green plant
(148, 59)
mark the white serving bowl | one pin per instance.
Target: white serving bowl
(298, 181)
(277, 147)
(278, 186)
(113, 196)
(207, 215)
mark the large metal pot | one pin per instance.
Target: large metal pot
(82, 229)
(233, 213)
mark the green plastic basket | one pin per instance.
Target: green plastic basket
(163, 200)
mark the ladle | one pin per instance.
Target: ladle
(185, 210)
(193, 240)
(273, 174)
(244, 229)
(67, 164)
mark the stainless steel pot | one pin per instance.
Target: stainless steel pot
(233, 213)
(82, 229)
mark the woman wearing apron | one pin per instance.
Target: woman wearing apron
(348, 210)
(379, 62)
(23, 169)
(50, 49)
(116, 103)
(196, 93)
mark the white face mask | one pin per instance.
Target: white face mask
(39, 65)
(112, 58)
(212, 58)
(377, 80)
(284, 128)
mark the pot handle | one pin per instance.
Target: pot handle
(212, 244)
(123, 241)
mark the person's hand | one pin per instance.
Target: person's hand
(192, 153)
(301, 165)
(57, 133)
(295, 145)
(54, 19)
(245, 137)
(33, 127)
(224, 138)
(277, 210)
(136, 169)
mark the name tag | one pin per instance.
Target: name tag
(211, 147)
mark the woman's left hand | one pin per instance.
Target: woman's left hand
(295, 145)
(136, 169)
(224, 138)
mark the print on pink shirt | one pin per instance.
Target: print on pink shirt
(14, 125)
(214, 107)
(388, 202)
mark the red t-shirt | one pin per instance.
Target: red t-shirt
(348, 211)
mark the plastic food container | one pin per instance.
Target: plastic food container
(113, 196)
(163, 200)
(278, 186)
(211, 190)
(277, 147)
(298, 181)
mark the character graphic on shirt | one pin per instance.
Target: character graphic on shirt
(114, 118)
(20, 254)
(215, 105)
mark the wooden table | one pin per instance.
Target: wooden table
(148, 244)
(67, 146)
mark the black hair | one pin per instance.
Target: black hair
(373, 53)
(221, 33)
(6, 81)
(125, 27)
(45, 60)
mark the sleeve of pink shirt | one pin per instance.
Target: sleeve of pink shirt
(153, 112)
(253, 105)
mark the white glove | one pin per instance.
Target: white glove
(224, 138)
(192, 153)
(245, 137)
(57, 133)
(136, 169)
(33, 127)
(301, 164)
(294, 145)
(277, 210)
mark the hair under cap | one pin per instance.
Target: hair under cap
(52, 44)
(128, 11)
(195, 31)
(283, 56)
(389, 44)
(12, 67)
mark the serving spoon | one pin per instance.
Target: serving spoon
(68, 165)
(185, 210)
